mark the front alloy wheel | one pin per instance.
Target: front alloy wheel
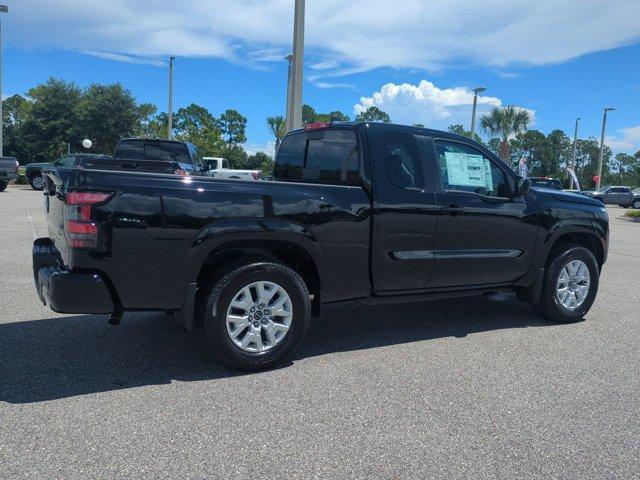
(570, 284)
(573, 284)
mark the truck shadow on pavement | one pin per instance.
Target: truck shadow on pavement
(62, 357)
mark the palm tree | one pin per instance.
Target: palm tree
(504, 123)
(278, 129)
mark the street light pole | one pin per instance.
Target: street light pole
(288, 113)
(604, 124)
(573, 156)
(297, 67)
(476, 91)
(3, 9)
(170, 109)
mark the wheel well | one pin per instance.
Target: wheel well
(587, 240)
(290, 254)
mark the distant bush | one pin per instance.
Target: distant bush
(632, 213)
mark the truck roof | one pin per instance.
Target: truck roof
(395, 126)
(143, 139)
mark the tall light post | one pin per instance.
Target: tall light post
(170, 108)
(288, 116)
(573, 156)
(3, 9)
(604, 124)
(476, 91)
(294, 113)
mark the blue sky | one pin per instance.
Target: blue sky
(416, 63)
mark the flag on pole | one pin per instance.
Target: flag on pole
(523, 167)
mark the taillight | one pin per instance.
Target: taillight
(17, 165)
(81, 230)
(182, 173)
(256, 175)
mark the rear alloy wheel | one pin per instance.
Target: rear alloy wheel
(259, 316)
(570, 286)
(37, 181)
(636, 204)
(256, 315)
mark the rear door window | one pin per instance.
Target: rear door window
(402, 160)
(329, 156)
(332, 158)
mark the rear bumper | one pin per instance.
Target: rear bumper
(8, 176)
(67, 291)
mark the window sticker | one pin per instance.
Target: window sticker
(465, 169)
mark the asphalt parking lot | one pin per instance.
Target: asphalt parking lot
(476, 388)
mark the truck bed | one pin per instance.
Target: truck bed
(158, 229)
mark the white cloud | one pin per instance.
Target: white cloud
(118, 57)
(355, 35)
(427, 104)
(269, 148)
(627, 141)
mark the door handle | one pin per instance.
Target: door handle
(452, 209)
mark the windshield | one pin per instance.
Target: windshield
(602, 189)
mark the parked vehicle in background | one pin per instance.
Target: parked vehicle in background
(617, 195)
(8, 171)
(219, 168)
(158, 155)
(372, 212)
(33, 171)
(544, 182)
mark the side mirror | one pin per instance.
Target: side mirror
(523, 185)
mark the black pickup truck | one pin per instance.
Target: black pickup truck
(375, 213)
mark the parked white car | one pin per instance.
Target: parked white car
(219, 168)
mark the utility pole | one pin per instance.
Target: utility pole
(476, 91)
(170, 109)
(3, 9)
(294, 115)
(604, 124)
(573, 156)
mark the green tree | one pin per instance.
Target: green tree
(373, 114)
(260, 161)
(460, 130)
(504, 123)
(233, 126)
(309, 115)
(51, 119)
(531, 145)
(622, 169)
(14, 112)
(149, 122)
(421, 125)
(234, 153)
(587, 153)
(338, 116)
(107, 113)
(277, 128)
(197, 125)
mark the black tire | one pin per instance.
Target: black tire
(636, 204)
(220, 292)
(3, 185)
(34, 179)
(549, 306)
